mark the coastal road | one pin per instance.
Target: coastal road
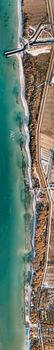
(50, 12)
(49, 235)
(41, 26)
(40, 172)
(41, 337)
(41, 113)
(40, 116)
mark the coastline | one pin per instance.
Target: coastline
(31, 72)
(26, 129)
(33, 187)
(35, 70)
(25, 221)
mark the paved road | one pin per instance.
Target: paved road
(39, 169)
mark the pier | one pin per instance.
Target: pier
(28, 45)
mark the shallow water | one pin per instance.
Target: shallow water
(12, 230)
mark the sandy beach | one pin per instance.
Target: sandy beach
(35, 71)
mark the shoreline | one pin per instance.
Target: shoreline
(26, 114)
(26, 129)
(32, 72)
(35, 70)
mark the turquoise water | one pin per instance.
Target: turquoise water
(12, 228)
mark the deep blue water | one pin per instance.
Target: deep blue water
(12, 230)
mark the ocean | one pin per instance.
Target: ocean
(12, 190)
